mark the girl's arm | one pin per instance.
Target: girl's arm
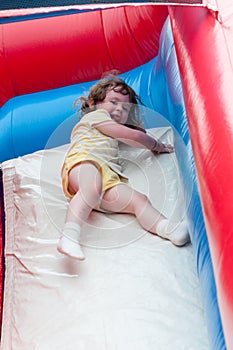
(132, 137)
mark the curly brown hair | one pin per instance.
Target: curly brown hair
(98, 93)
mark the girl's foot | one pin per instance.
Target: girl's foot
(69, 241)
(177, 233)
(70, 248)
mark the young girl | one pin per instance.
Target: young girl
(91, 174)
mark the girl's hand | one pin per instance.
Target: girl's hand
(160, 147)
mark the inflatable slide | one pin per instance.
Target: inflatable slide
(135, 291)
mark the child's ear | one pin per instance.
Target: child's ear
(91, 102)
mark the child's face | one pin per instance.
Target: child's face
(117, 105)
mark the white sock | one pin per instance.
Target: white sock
(177, 233)
(69, 241)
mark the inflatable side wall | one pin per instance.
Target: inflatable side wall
(154, 74)
(40, 59)
(205, 56)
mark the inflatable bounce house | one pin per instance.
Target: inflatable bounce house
(135, 291)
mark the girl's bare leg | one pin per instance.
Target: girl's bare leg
(124, 199)
(85, 180)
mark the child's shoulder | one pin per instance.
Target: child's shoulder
(96, 116)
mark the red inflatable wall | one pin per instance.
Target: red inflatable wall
(205, 56)
(31, 59)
